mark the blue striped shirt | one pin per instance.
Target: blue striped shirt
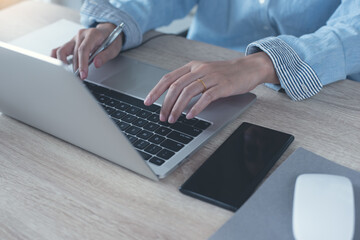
(311, 43)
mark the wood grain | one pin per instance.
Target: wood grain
(50, 189)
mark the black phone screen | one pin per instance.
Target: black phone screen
(232, 173)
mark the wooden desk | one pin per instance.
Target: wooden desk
(50, 189)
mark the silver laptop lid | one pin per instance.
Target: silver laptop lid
(36, 90)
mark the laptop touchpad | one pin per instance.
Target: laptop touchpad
(129, 76)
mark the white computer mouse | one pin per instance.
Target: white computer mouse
(323, 207)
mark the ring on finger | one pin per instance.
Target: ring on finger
(202, 82)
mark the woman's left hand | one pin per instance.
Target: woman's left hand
(213, 80)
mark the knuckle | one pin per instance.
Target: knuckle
(166, 77)
(174, 86)
(91, 30)
(209, 96)
(79, 34)
(193, 63)
(204, 67)
(82, 31)
(82, 48)
(217, 76)
(187, 91)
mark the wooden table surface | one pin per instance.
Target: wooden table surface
(50, 189)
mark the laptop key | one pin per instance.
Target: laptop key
(90, 86)
(154, 118)
(157, 139)
(131, 138)
(156, 161)
(133, 130)
(122, 106)
(144, 134)
(172, 145)
(108, 109)
(132, 110)
(141, 144)
(190, 122)
(139, 122)
(202, 125)
(180, 137)
(122, 125)
(192, 131)
(143, 114)
(152, 149)
(129, 118)
(151, 126)
(121, 97)
(118, 114)
(132, 100)
(165, 154)
(112, 102)
(103, 99)
(163, 131)
(165, 124)
(144, 155)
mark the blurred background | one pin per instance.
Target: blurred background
(176, 27)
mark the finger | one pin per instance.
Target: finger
(111, 52)
(206, 98)
(53, 52)
(78, 39)
(189, 92)
(64, 51)
(164, 84)
(173, 93)
(88, 45)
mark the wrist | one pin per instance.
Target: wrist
(266, 68)
(263, 68)
(106, 25)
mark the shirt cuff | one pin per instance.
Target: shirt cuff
(93, 12)
(297, 78)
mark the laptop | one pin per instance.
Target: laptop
(105, 114)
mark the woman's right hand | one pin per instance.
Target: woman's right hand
(85, 43)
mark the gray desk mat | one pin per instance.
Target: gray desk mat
(268, 212)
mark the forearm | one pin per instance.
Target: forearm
(138, 16)
(305, 64)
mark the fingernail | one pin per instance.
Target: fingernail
(190, 115)
(147, 100)
(171, 119)
(82, 74)
(162, 117)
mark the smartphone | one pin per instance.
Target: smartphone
(233, 172)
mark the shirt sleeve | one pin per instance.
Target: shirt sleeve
(139, 16)
(305, 64)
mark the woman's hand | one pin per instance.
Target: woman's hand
(85, 43)
(213, 79)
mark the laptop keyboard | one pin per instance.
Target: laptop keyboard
(156, 141)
